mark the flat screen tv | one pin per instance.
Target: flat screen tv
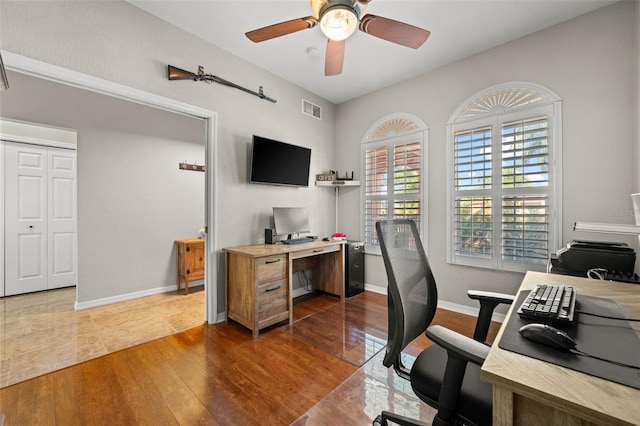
(279, 163)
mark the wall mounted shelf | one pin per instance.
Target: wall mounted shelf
(338, 183)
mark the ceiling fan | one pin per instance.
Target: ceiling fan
(339, 19)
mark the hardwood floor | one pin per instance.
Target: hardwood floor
(353, 331)
(217, 374)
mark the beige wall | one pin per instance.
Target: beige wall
(637, 104)
(587, 62)
(119, 42)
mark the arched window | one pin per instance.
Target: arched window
(393, 155)
(503, 148)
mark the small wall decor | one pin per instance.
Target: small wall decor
(346, 176)
(178, 74)
(326, 176)
(193, 167)
(333, 176)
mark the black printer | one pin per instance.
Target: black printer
(579, 256)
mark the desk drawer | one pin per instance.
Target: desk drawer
(271, 268)
(315, 251)
(273, 301)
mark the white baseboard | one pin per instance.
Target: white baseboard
(130, 296)
(375, 289)
(455, 307)
(468, 310)
(449, 306)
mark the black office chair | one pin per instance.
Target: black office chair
(445, 375)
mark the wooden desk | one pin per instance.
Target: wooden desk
(258, 279)
(190, 256)
(527, 391)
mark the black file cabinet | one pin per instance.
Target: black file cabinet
(354, 268)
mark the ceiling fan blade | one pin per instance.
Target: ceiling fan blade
(394, 31)
(334, 57)
(281, 29)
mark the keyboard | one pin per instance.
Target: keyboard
(550, 303)
(299, 240)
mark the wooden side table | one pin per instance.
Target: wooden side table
(190, 261)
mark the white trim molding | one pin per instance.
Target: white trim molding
(511, 100)
(130, 296)
(37, 134)
(455, 307)
(56, 74)
(397, 128)
(503, 97)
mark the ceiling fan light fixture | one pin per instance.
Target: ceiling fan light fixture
(339, 22)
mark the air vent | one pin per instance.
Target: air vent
(311, 109)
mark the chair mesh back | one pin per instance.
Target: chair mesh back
(412, 289)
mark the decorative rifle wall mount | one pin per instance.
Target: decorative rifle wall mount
(178, 74)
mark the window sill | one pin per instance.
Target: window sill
(509, 267)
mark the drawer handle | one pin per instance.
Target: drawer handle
(273, 261)
(356, 265)
(318, 250)
(273, 288)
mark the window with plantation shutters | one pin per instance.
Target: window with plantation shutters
(525, 155)
(473, 226)
(525, 164)
(393, 184)
(472, 158)
(504, 179)
(376, 190)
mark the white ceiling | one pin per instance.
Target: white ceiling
(458, 29)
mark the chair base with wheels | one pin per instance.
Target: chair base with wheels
(383, 419)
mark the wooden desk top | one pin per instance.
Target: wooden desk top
(190, 241)
(259, 250)
(579, 394)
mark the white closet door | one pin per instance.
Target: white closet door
(25, 218)
(61, 202)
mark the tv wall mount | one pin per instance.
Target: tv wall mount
(179, 74)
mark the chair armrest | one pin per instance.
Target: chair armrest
(458, 344)
(491, 296)
(488, 302)
(460, 350)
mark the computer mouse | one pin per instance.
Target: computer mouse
(548, 336)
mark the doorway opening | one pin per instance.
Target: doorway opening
(30, 67)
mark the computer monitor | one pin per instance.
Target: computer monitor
(291, 220)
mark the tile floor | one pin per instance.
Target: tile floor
(41, 332)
